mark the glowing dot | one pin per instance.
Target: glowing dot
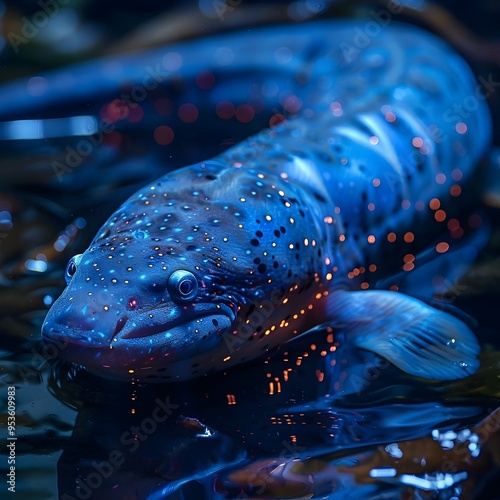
(442, 247)
(336, 108)
(172, 61)
(276, 119)
(135, 115)
(461, 127)
(455, 190)
(391, 237)
(244, 113)
(163, 135)
(440, 215)
(114, 111)
(365, 285)
(372, 268)
(408, 266)
(205, 79)
(374, 139)
(283, 55)
(188, 112)
(390, 117)
(329, 276)
(409, 237)
(37, 85)
(405, 204)
(292, 104)
(371, 207)
(342, 237)
(425, 149)
(417, 142)
(224, 110)
(440, 178)
(223, 55)
(408, 258)
(371, 238)
(376, 182)
(434, 204)
(456, 174)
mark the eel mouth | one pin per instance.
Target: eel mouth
(127, 328)
(163, 342)
(148, 328)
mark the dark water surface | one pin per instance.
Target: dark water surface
(317, 419)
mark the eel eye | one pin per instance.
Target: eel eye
(71, 267)
(182, 285)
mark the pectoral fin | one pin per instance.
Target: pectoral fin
(415, 337)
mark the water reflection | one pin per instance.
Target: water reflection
(233, 436)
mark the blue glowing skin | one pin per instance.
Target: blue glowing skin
(218, 262)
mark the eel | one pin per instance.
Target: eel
(339, 217)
